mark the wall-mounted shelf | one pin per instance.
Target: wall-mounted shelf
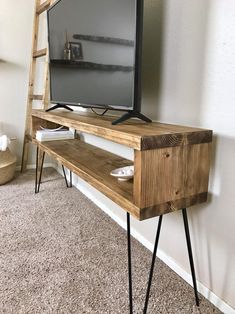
(171, 162)
(90, 65)
(105, 40)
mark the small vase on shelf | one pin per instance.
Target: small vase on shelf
(67, 50)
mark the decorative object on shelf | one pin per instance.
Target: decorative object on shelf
(76, 50)
(50, 135)
(7, 161)
(124, 173)
(67, 51)
(4, 141)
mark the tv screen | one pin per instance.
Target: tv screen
(94, 53)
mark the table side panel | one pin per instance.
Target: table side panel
(197, 164)
(159, 177)
(173, 176)
(171, 206)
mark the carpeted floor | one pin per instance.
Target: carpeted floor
(59, 253)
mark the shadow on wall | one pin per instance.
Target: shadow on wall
(174, 59)
(8, 65)
(174, 68)
(216, 221)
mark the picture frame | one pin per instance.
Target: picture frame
(76, 50)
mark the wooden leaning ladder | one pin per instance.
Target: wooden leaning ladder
(39, 9)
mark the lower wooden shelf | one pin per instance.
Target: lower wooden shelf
(94, 165)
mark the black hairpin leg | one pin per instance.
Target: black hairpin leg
(190, 254)
(129, 263)
(71, 182)
(41, 168)
(36, 174)
(152, 264)
(38, 181)
(66, 181)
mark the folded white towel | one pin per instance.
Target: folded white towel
(3, 142)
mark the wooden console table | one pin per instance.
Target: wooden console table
(171, 167)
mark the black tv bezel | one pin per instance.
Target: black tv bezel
(137, 65)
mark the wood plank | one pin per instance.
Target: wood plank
(40, 53)
(94, 165)
(28, 120)
(172, 206)
(39, 8)
(45, 99)
(135, 134)
(170, 174)
(197, 168)
(43, 7)
(36, 97)
(159, 177)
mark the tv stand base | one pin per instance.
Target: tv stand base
(59, 106)
(129, 115)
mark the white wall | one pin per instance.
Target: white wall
(197, 88)
(16, 18)
(189, 76)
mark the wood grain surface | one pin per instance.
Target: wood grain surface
(171, 162)
(94, 165)
(170, 174)
(133, 133)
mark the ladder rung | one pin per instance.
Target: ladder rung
(43, 7)
(40, 53)
(36, 97)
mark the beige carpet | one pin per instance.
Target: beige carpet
(59, 253)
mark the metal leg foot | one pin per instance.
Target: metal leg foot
(129, 263)
(190, 254)
(152, 264)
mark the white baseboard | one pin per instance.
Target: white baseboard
(33, 166)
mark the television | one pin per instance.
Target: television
(95, 55)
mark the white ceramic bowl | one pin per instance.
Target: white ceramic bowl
(124, 173)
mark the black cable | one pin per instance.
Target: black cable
(99, 114)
